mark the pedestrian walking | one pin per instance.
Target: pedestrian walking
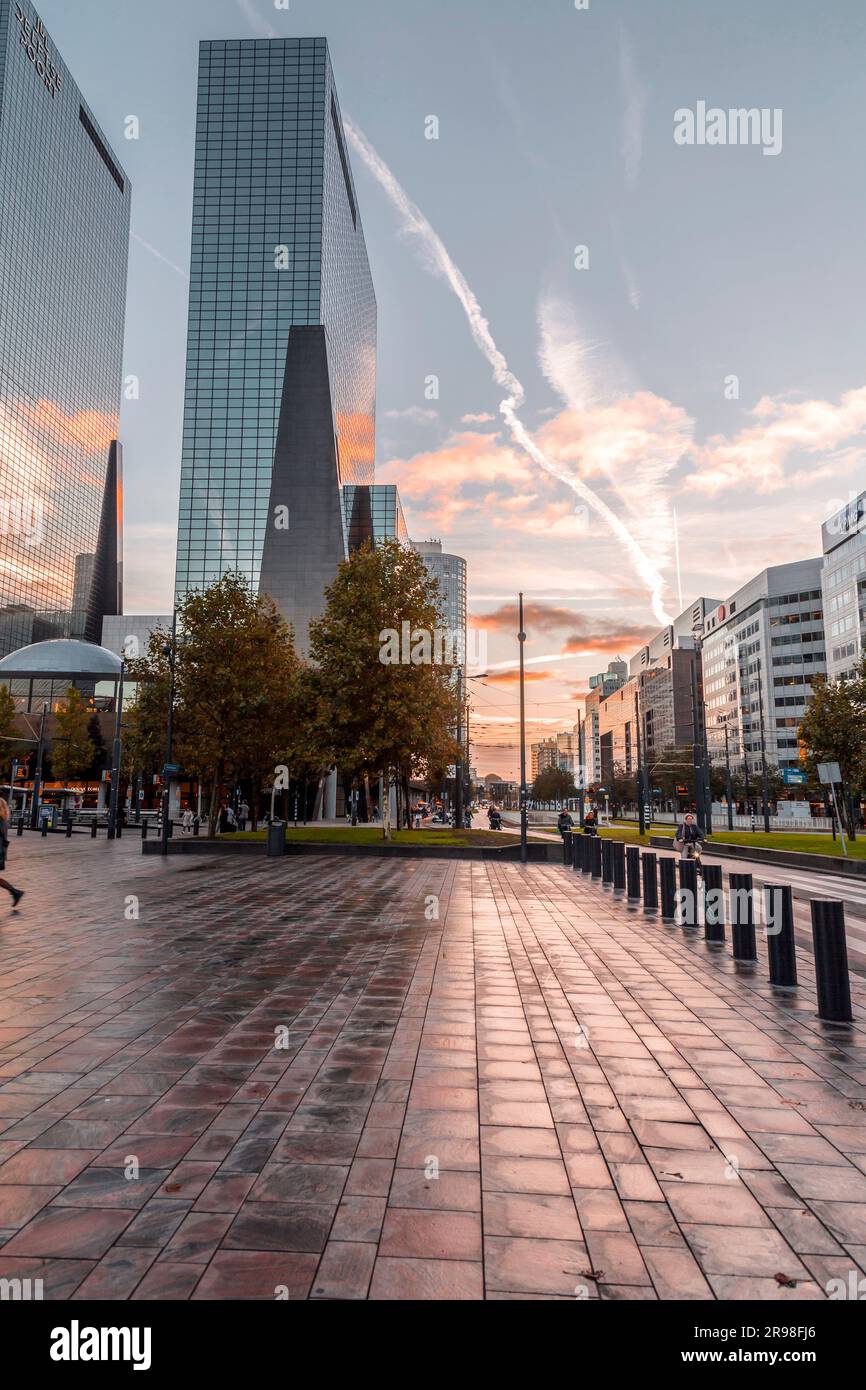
(16, 893)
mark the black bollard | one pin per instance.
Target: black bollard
(607, 861)
(195, 827)
(69, 828)
(44, 826)
(742, 917)
(118, 830)
(668, 873)
(595, 856)
(618, 851)
(714, 903)
(93, 828)
(575, 852)
(687, 902)
(650, 882)
(585, 855)
(566, 847)
(20, 830)
(831, 961)
(632, 873)
(779, 917)
(144, 829)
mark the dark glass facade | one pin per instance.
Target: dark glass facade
(373, 514)
(64, 238)
(281, 357)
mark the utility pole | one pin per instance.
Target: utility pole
(37, 776)
(581, 774)
(728, 782)
(641, 816)
(171, 653)
(764, 775)
(116, 758)
(697, 755)
(524, 852)
(458, 770)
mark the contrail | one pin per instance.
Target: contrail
(440, 263)
(159, 256)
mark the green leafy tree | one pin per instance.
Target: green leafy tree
(376, 713)
(553, 784)
(8, 746)
(235, 678)
(834, 731)
(72, 748)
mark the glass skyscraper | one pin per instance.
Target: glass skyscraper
(64, 239)
(281, 355)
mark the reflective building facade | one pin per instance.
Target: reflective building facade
(281, 356)
(64, 236)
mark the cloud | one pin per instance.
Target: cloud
(634, 109)
(512, 677)
(439, 262)
(477, 419)
(257, 23)
(611, 638)
(541, 617)
(756, 458)
(415, 413)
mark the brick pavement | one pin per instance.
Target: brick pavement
(283, 1080)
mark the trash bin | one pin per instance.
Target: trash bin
(276, 839)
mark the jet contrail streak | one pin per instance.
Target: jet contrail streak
(441, 264)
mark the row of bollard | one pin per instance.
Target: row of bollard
(644, 875)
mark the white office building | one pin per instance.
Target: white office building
(762, 650)
(843, 584)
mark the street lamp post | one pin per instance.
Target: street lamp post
(765, 781)
(458, 770)
(728, 782)
(581, 782)
(171, 652)
(524, 852)
(641, 811)
(37, 776)
(116, 758)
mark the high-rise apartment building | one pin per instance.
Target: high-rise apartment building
(281, 354)
(64, 241)
(449, 571)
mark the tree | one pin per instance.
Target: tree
(7, 730)
(385, 703)
(553, 784)
(235, 677)
(235, 700)
(834, 731)
(72, 749)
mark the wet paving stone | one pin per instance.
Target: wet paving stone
(283, 1080)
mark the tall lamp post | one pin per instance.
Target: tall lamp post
(581, 773)
(765, 780)
(458, 770)
(729, 790)
(116, 757)
(169, 650)
(37, 776)
(524, 851)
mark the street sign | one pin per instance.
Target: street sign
(829, 774)
(171, 770)
(792, 778)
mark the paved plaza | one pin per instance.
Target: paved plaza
(337, 1078)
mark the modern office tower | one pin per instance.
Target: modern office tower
(373, 512)
(64, 239)
(669, 683)
(449, 571)
(843, 585)
(762, 650)
(600, 686)
(281, 353)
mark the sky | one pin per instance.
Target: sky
(647, 350)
